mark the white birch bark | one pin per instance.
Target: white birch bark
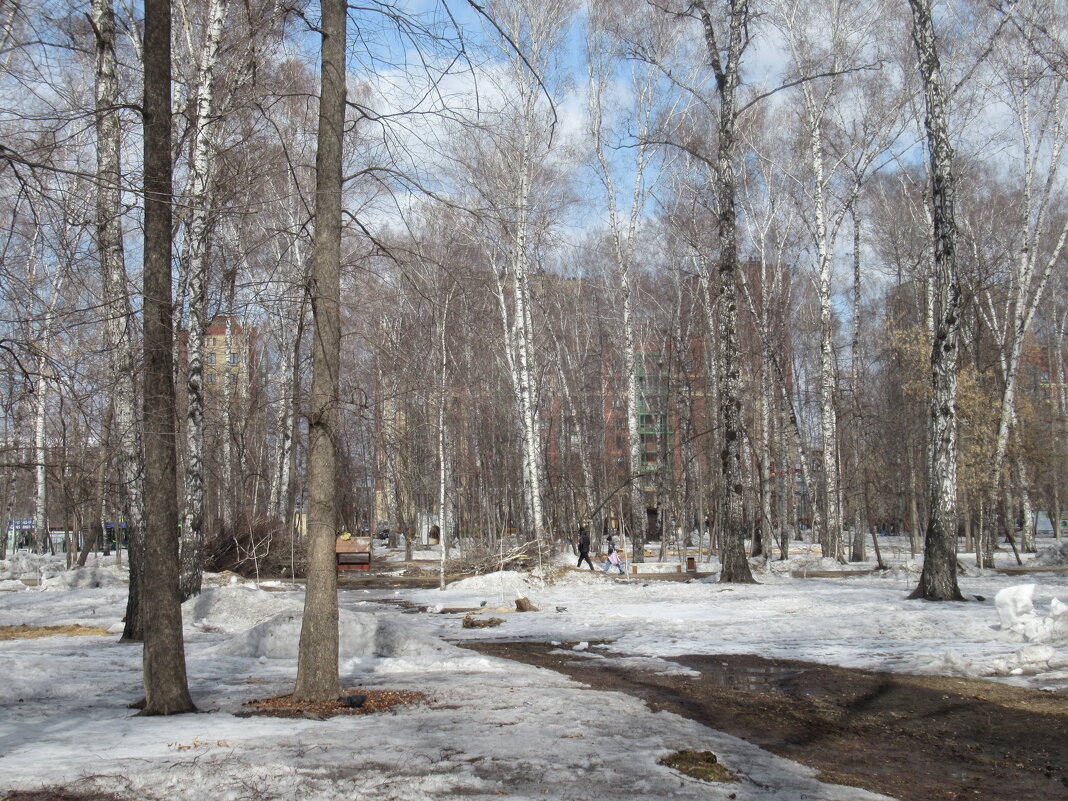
(283, 426)
(443, 445)
(735, 566)
(40, 479)
(938, 581)
(518, 334)
(831, 539)
(118, 335)
(198, 202)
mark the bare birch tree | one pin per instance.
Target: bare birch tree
(938, 581)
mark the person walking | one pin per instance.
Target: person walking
(584, 547)
(613, 559)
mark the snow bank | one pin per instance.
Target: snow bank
(235, 608)
(30, 565)
(1016, 611)
(11, 585)
(361, 635)
(46, 566)
(805, 562)
(507, 582)
(86, 578)
(1054, 556)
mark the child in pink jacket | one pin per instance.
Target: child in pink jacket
(613, 559)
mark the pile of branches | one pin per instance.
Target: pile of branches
(479, 557)
(256, 549)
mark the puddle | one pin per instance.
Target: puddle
(754, 678)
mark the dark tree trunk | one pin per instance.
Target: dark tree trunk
(317, 665)
(166, 690)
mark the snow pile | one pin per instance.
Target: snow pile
(1017, 614)
(361, 635)
(11, 585)
(30, 565)
(1031, 660)
(235, 608)
(506, 582)
(1054, 556)
(809, 561)
(88, 577)
(46, 566)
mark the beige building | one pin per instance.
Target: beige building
(229, 357)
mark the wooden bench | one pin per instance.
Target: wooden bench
(353, 553)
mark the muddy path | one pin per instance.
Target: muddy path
(917, 738)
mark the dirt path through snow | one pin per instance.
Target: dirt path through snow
(917, 738)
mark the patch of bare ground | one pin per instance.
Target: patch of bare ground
(916, 738)
(24, 632)
(56, 793)
(703, 765)
(351, 702)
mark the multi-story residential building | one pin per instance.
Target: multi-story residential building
(229, 358)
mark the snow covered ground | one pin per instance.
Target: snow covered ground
(494, 727)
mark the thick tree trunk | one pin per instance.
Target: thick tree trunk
(735, 565)
(166, 690)
(317, 664)
(938, 581)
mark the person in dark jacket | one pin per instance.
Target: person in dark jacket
(584, 547)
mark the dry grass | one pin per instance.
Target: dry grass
(24, 632)
(701, 765)
(283, 706)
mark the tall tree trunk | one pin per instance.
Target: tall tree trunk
(317, 663)
(166, 690)
(196, 259)
(860, 524)
(938, 581)
(1060, 418)
(40, 477)
(231, 491)
(831, 532)
(444, 457)
(118, 339)
(735, 565)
